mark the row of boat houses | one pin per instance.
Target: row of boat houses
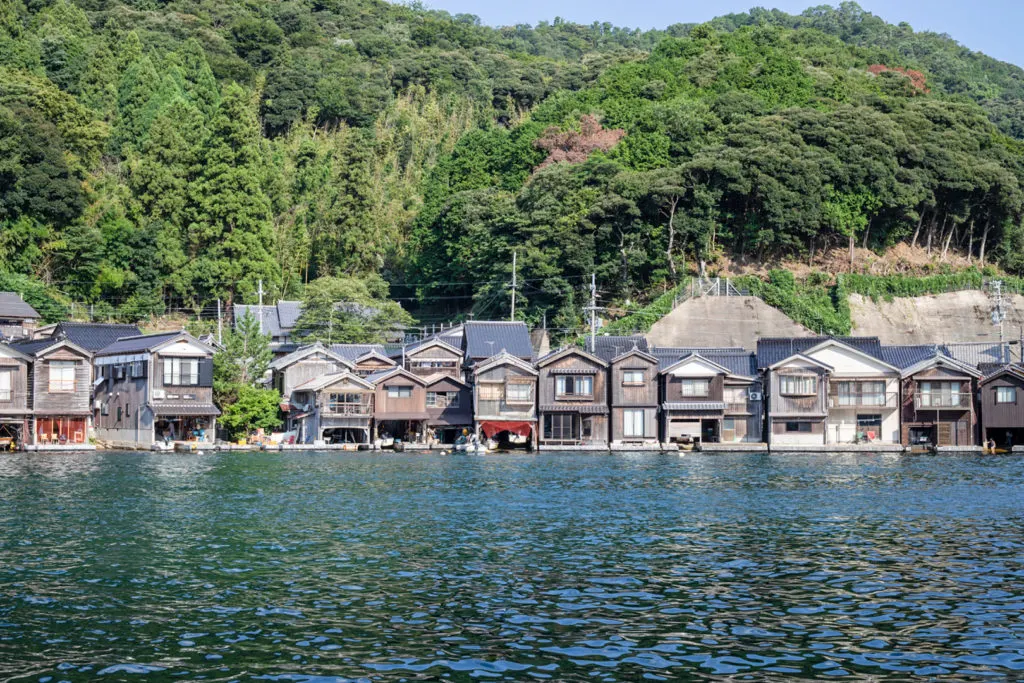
(72, 385)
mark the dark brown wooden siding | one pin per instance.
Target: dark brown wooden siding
(1002, 416)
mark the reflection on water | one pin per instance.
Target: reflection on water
(322, 567)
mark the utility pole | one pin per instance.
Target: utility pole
(593, 310)
(220, 325)
(999, 315)
(261, 306)
(513, 316)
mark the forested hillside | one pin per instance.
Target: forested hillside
(159, 156)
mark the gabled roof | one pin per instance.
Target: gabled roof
(41, 347)
(903, 356)
(634, 352)
(607, 347)
(14, 352)
(380, 375)
(770, 350)
(440, 376)
(668, 355)
(353, 351)
(12, 306)
(1015, 370)
(805, 359)
(94, 336)
(504, 357)
(696, 358)
(417, 347)
(372, 353)
(149, 342)
(832, 342)
(551, 357)
(318, 383)
(306, 351)
(939, 358)
(978, 353)
(486, 338)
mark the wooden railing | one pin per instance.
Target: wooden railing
(940, 401)
(865, 399)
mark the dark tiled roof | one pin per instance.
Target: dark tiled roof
(903, 357)
(607, 347)
(13, 306)
(94, 336)
(278, 319)
(31, 348)
(668, 355)
(743, 364)
(978, 353)
(485, 339)
(771, 350)
(137, 344)
(990, 370)
(353, 351)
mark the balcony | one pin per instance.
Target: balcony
(735, 408)
(867, 399)
(955, 401)
(347, 409)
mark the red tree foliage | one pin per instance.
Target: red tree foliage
(917, 79)
(575, 147)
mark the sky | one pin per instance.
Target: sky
(989, 26)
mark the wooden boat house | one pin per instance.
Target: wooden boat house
(573, 399)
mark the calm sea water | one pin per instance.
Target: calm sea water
(325, 567)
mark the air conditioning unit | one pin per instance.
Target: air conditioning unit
(755, 395)
(97, 404)
(159, 393)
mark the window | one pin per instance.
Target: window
(442, 399)
(1006, 395)
(138, 369)
(490, 391)
(695, 387)
(105, 408)
(340, 403)
(5, 385)
(62, 376)
(402, 391)
(798, 426)
(862, 393)
(519, 392)
(798, 385)
(127, 409)
(572, 385)
(586, 427)
(633, 423)
(181, 372)
(560, 427)
(633, 377)
(433, 364)
(940, 394)
(869, 422)
(120, 412)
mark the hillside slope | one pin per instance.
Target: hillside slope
(953, 317)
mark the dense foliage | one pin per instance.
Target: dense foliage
(159, 156)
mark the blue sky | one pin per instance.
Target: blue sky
(989, 26)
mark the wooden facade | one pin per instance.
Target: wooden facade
(15, 414)
(335, 408)
(434, 357)
(633, 398)
(937, 404)
(704, 400)
(400, 406)
(797, 401)
(61, 391)
(572, 396)
(505, 399)
(1002, 406)
(449, 405)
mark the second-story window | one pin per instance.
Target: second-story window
(798, 385)
(5, 385)
(1006, 395)
(518, 392)
(62, 376)
(442, 399)
(181, 372)
(400, 391)
(695, 387)
(339, 403)
(574, 385)
(489, 391)
(633, 377)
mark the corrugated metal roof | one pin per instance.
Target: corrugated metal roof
(12, 306)
(487, 338)
(138, 343)
(94, 336)
(607, 347)
(771, 350)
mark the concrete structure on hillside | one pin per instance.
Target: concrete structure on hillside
(723, 321)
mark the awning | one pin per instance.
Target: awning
(185, 410)
(693, 405)
(572, 371)
(450, 421)
(99, 380)
(285, 406)
(493, 427)
(392, 417)
(583, 408)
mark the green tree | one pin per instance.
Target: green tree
(350, 310)
(252, 409)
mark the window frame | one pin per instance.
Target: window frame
(802, 427)
(399, 391)
(690, 388)
(629, 423)
(450, 399)
(626, 381)
(567, 386)
(62, 385)
(798, 381)
(528, 399)
(6, 377)
(173, 374)
(1013, 391)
